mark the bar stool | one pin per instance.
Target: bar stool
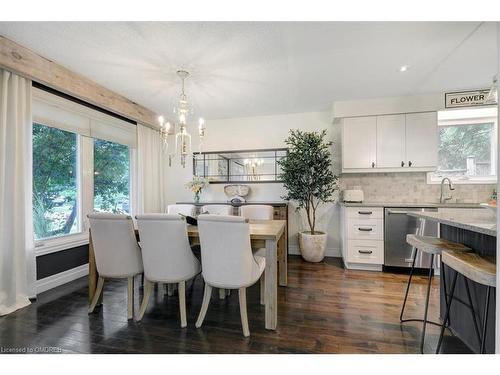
(433, 246)
(475, 268)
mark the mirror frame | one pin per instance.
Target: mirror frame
(227, 181)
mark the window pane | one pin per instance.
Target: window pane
(111, 177)
(466, 150)
(54, 182)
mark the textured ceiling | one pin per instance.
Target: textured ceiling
(249, 68)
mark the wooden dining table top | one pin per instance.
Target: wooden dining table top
(259, 229)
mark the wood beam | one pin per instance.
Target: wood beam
(21, 60)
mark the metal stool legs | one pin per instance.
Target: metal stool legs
(447, 313)
(485, 320)
(481, 337)
(429, 283)
(471, 305)
(406, 297)
(422, 339)
(408, 287)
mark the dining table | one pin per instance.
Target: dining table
(268, 234)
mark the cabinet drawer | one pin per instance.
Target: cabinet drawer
(365, 212)
(364, 229)
(365, 251)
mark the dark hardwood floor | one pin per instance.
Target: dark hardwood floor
(324, 309)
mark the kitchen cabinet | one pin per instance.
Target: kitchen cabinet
(359, 142)
(390, 143)
(362, 234)
(421, 139)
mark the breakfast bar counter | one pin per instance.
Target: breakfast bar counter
(476, 230)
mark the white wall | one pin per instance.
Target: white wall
(259, 133)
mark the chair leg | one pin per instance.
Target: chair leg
(424, 324)
(97, 294)
(182, 303)
(473, 312)
(243, 311)
(263, 289)
(485, 320)
(204, 306)
(148, 289)
(222, 293)
(130, 298)
(408, 285)
(447, 313)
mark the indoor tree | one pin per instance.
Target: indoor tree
(308, 177)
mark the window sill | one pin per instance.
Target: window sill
(44, 247)
(464, 182)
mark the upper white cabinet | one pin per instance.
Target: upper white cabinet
(359, 142)
(391, 141)
(421, 140)
(397, 143)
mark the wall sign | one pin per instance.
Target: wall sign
(467, 98)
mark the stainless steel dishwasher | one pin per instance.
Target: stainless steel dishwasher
(397, 224)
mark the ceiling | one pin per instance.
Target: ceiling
(244, 69)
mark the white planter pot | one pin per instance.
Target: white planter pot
(312, 247)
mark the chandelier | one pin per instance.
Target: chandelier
(181, 139)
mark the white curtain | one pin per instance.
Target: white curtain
(150, 171)
(17, 258)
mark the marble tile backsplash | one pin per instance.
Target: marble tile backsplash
(411, 188)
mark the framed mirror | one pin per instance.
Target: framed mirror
(250, 166)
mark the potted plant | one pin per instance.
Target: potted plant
(196, 186)
(309, 181)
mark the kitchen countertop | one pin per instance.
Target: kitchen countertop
(485, 224)
(413, 204)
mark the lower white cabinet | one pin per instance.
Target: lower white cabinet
(365, 252)
(362, 238)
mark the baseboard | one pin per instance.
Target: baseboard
(61, 278)
(329, 252)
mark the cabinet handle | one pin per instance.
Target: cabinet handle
(365, 212)
(402, 163)
(365, 251)
(365, 229)
(373, 164)
(409, 163)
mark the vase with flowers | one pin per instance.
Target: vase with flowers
(196, 186)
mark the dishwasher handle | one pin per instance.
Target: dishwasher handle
(398, 212)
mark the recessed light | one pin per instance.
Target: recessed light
(404, 68)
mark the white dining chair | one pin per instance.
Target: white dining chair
(257, 212)
(228, 261)
(117, 254)
(183, 209)
(167, 256)
(217, 209)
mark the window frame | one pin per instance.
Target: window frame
(85, 189)
(432, 179)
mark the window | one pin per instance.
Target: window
(111, 177)
(55, 182)
(467, 146)
(81, 163)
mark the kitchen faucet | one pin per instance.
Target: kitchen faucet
(441, 199)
